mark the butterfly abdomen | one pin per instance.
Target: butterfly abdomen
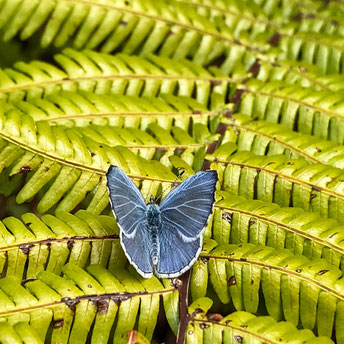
(153, 228)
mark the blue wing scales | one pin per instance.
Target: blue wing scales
(187, 207)
(176, 256)
(137, 251)
(127, 202)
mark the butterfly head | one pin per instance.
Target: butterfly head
(152, 200)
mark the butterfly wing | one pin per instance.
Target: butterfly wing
(187, 208)
(176, 256)
(137, 252)
(129, 208)
(127, 202)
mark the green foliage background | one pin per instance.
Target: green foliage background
(251, 88)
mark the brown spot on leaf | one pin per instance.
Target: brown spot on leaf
(228, 113)
(25, 248)
(176, 282)
(70, 303)
(238, 339)
(297, 17)
(102, 306)
(321, 272)
(316, 188)
(58, 323)
(231, 281)
(274, 40)
(227, 216)
(70, 244)
(215, 82)
(202, 326)
(197, 112)
(25, 169)
(132, 337)
(215, 317)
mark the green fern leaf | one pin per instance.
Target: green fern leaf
(246, 21)
(286, 182)
(130, 27)
(241, 327)
(120, 74)
(325, 51)
(69, 164)
(299, 73)
(72, 305)
(294, 288)
(47, 243)
(84, 108)
(237, 220)
(300, 109)
(18, 333)
(265, 138)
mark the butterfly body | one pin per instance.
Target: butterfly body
(153, 228)
(165, 239)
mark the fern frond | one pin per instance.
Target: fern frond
(237, 220)
(324, 51)
(84, 304)
(84, 108)
(172, 29)
(241, 327)
(294, 288)
(296, 183)
(265, 138)
(312, 112)
(280, 10)
(47, 243)
(18, 333)
(118, 74)
(298, 73)
(70, 165)
(245, 20)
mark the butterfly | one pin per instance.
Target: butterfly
(163, 239)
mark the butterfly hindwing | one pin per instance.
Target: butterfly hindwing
(127, 202)
(176, 256)
(137, 251)
(188, 206)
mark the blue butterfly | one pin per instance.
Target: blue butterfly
(165, 239)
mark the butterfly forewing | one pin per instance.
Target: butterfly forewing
(127, 202)
(187, 208)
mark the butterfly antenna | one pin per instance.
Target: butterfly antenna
(181, 171)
